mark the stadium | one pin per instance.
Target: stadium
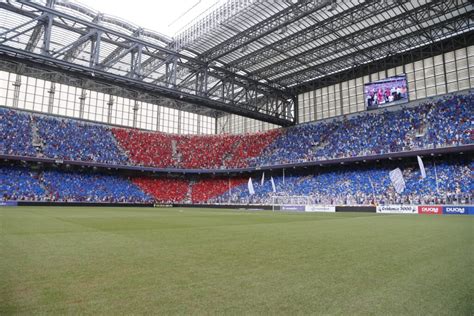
(264, 157)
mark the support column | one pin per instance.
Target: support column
(136, 107)
(48, 24)
(16, 90)
(110, 106)
(180, 113)
(82, 103)
(158, 118)
(51, 92)
(95, 50)
(198, 124)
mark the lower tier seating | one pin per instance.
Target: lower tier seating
(164, 190)
(447, 181)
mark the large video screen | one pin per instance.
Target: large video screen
(389, 91)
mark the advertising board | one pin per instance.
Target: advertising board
(320, 208)
(397, 209)
(293, 208)
(430, 209)
(458, 209)
(8, 203)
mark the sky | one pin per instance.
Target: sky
(167, 17)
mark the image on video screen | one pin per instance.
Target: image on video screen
(386, 92)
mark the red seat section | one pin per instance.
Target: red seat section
(147, 148)
(206, 189)
(251, 146)
(167, 190)
(193, 151)
(206, 152)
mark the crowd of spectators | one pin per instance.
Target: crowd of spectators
(162, 150)
(446, 182)
(209, 188)
(68, 139)
(442, 121)
(20, 184)
(15, 133)
(24, 184)
(450, 122)
(250, 146)
(206, 152)
(445, 121)
(147, 148)
(164, 190)
(91, 187)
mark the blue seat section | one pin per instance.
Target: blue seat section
(91, 187)
(75, 140)
(20, 184)
(447, 181)
(15, 133)
(442, 121)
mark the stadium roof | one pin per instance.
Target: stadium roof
(247, 57)
(292, 42)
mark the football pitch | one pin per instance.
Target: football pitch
(60, 260)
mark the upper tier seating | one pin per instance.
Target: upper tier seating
(15, 133)
(444, 121)
(192, 151)
(75, 140)
(146, 148)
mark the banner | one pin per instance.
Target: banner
(8, 203)
(397, 209)
(398, 182)
(458, 210)
(250, 185)
(273, 185)
(298, 208)
(422, 167)
(320, 208)
(430, 209)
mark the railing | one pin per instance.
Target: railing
(302, 164)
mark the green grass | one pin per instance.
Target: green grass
(201, 261)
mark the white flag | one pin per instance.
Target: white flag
(263, 178)
(273, 185)
(398, 182)
(422, 167)
(251, 189)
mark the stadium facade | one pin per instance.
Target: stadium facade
(281, 87)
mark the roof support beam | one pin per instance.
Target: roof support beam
(279, 20)
(455, 27)
(428, 50)
(307, 35)
(354, 40)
